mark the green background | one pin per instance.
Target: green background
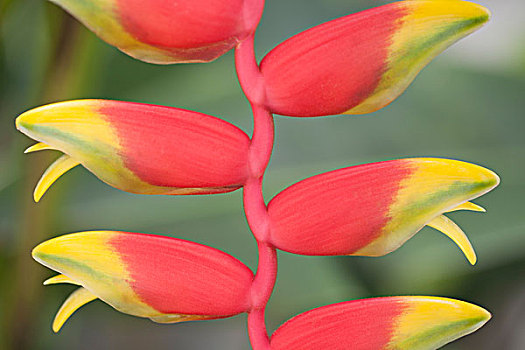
(468, 104)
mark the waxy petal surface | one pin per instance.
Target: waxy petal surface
(167, 31)
(161, 278)
(360, 63)
(415, 323)
(372, 209)
(140, 148)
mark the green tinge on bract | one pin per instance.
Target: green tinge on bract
(139, 148)
(428, 28)
(88, 260)
(373, 209)
(360, 63)
(81, 132)
(434, 187)
(164, 279)
(431, 322)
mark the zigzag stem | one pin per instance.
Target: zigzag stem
(255, 208)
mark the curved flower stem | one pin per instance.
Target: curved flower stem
(255, 208)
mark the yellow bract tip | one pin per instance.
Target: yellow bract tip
(40, 146)
(55, 170)
(468, 206)
(432, 322)
(455, 9)
(76, 300)
(454, 232)
(60, 279)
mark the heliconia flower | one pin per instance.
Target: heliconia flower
(416, 323)
(165, 279)
(360, 63)
(372, 209)
(139, 148)
(168, 31)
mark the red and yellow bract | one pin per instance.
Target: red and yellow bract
(356, 64)
(140, 148)
(162, 278)
(360, 63)
(168, 31)
(415, 323)
(372, 209)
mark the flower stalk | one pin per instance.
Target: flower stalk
(255, 208)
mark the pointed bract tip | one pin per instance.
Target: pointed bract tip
(40, 146)
(450, 320)
(46, 252)
(477, 315)
(468, 206)
(481, 12)
(21, 121)
(76, 300)
(463, 10)
(472, 258)
(456, 234)
(58, 279)
(55, 170)
(492, 179)
(479, 179)
(26, 120)
(40, 251)
(37, 195)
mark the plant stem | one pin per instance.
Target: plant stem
(255, 207)
(257, 330)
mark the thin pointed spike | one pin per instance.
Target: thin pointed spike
(55, 170)
(468, 206)
(40, 146)
(59, 279)
(77, 299)
(454, 232)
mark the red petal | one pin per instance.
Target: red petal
(182, 24)
(330, 68)
(180, 277)
(335, 213)
(171, 147)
